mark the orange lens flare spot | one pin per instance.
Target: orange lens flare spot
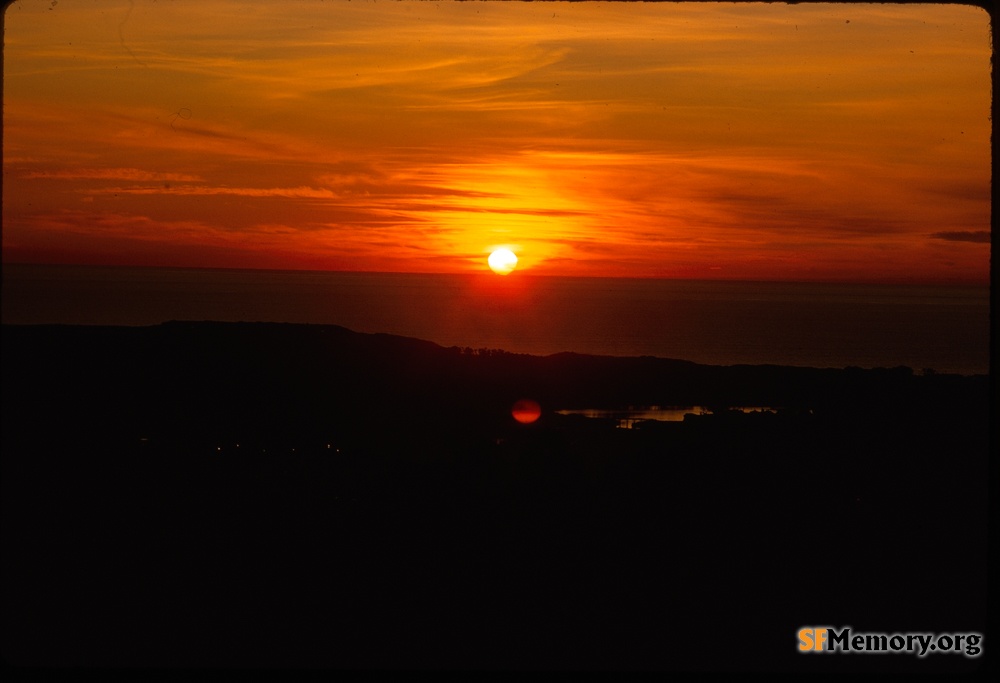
(526, 411)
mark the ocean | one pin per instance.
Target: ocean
(943, 328)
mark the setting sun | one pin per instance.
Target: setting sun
(502, 261)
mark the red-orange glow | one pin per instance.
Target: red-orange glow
(526, 411)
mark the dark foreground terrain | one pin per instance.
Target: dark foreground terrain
(242, 495)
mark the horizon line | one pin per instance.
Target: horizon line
(515, 275)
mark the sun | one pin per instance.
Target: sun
(502, 261)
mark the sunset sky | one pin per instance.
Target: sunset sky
(835, 142)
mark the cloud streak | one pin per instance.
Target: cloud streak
(129, 174)
(976, 236)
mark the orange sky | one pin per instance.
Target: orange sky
(749, 141)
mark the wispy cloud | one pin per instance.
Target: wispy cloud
(981, 236)
(129, 174)
(206, 191)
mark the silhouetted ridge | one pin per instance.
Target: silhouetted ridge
(245, 494)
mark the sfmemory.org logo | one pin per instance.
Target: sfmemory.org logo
(827, 639)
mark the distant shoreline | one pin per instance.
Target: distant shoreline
(193, 326)
(709, 322)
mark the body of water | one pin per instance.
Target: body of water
(945, 328)
(628, 417)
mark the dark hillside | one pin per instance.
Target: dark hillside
(289, 495)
